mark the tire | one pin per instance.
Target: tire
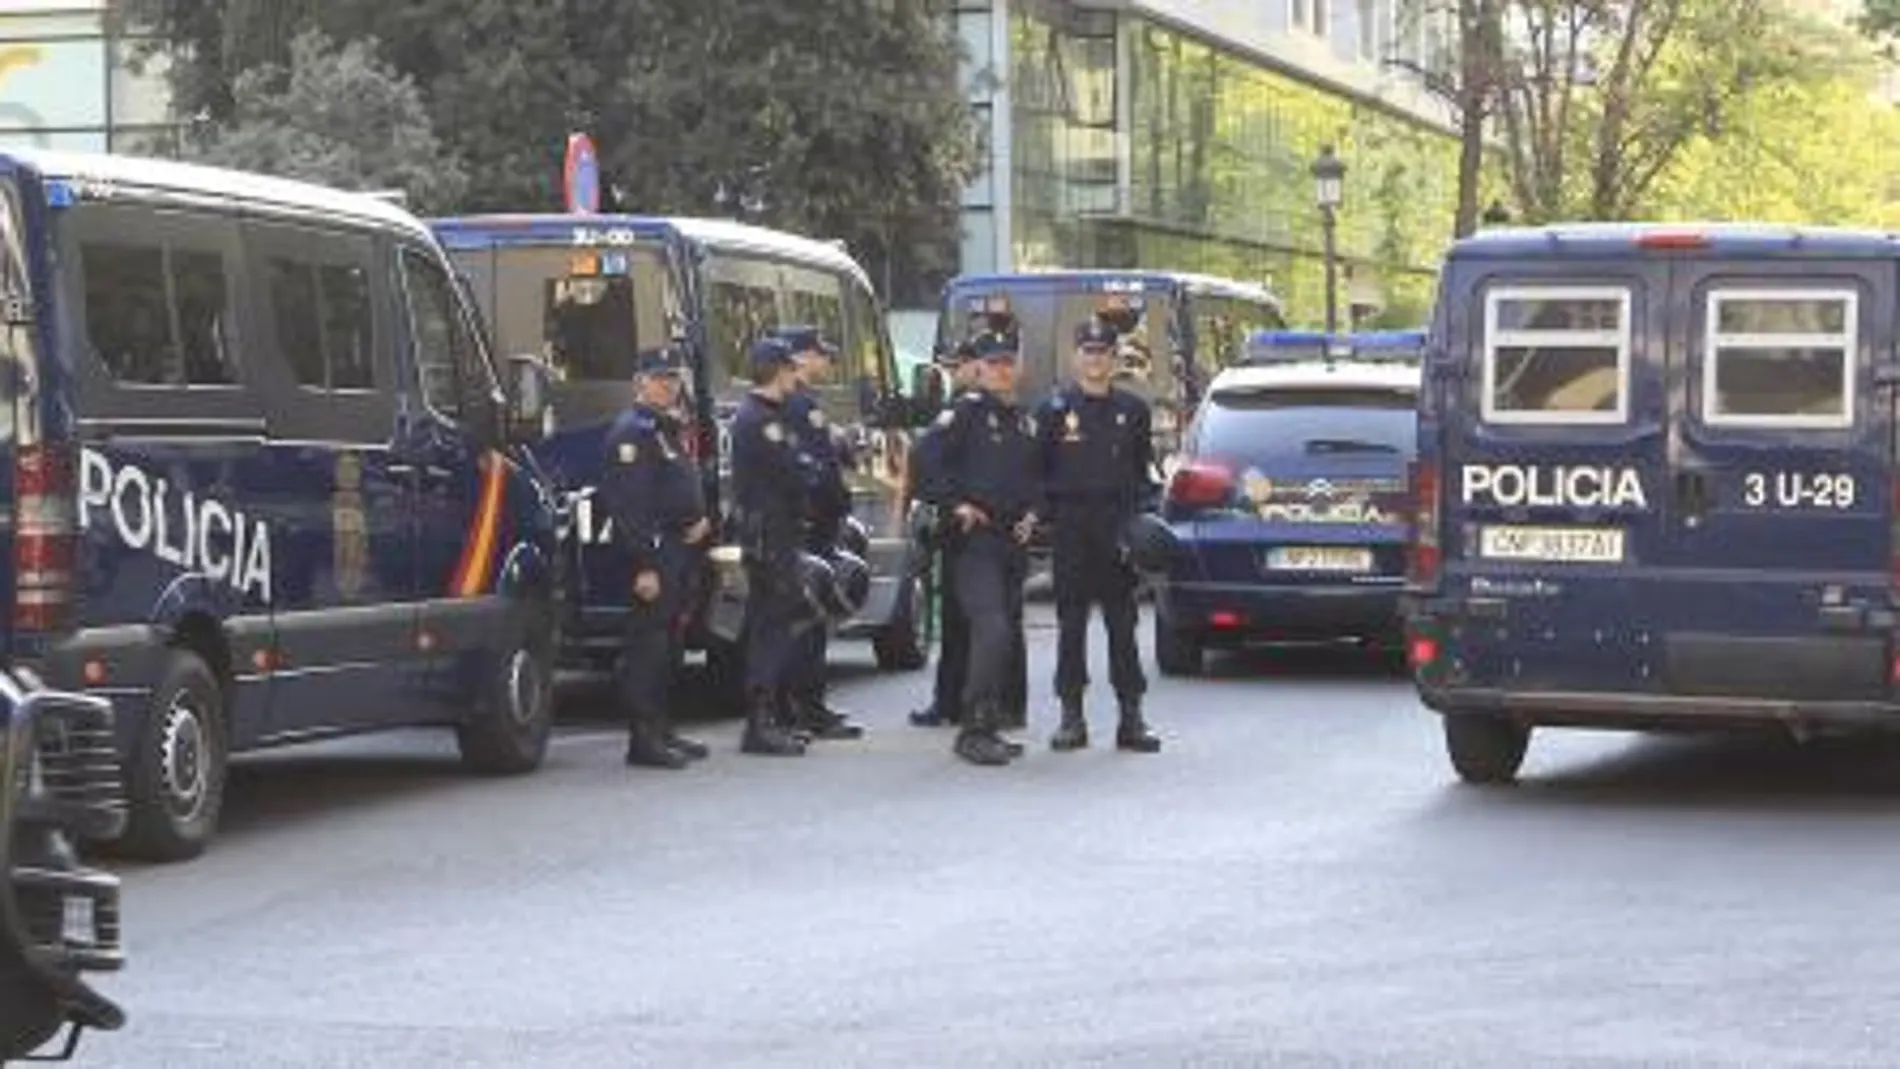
(1177, 654)
(175, 774)
(901, 645)
(507, 735)
(1485, 750)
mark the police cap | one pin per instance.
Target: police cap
(1095, 334)
(768, 352)
(665, 360)
(992, 345)
(805, 339)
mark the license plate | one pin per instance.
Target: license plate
(1576, 545)
(1319, 559)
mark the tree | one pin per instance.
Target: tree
(1591, 101)
(840, 118)
(335, 115)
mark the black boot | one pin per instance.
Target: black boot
(763, 735)
(646, 747)
(1073, 732)
(814, 718)
(1133, 734)
(977, 742)
(691, 749)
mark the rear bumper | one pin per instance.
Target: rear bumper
(1283, 613)
(1592, 709)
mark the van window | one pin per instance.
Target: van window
(589, 312)
(742, 302)
(1556, 355)
(868, 353)
(324, 329)
(447, 360)
(1780, 358)
(155, 315)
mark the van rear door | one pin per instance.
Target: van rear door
(1553, 464)
(1777, 565)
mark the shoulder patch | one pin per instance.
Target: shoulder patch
(946, 418)
(629, 452)
(817, 417)
(774, 432)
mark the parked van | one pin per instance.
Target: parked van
(262, 484)
(1655, 485)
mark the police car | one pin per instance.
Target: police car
(1289, 501)
(259, 481)
(1655, 485)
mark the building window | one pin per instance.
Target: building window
(1371, 43)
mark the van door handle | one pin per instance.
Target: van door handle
(1692, 494)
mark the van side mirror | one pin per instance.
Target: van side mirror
(59, 781)
(530, 389)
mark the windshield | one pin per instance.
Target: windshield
(1047, 316)
(1285, 424)
(587, 312)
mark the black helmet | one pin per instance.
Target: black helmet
(1150, 543)
(816, 583)
(850, 584)
(853, 537)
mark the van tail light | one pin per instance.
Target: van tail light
(1423, 554)
(1201, 484)
(45, 538)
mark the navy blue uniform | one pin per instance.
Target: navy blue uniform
(828, 501)
(988, 462)
(1095, 454)
(651, 489)
(769, 501)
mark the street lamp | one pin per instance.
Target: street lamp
(1329, 174)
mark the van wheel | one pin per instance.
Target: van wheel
(901, 645)
(1176, 653)
(175, 774)
(507, 734)
(1485, 749)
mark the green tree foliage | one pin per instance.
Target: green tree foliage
(837, 118)
(336, 115)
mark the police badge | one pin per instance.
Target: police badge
(1072, 427)
(349, 528)
(774, 433)
(629, 452)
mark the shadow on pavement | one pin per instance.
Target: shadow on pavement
(1308, 663)
(267, 792)
(1729, 773)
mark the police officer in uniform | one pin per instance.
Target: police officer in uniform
(769, 510)
(651, 489)
(828, 499)
(925, 464)
(1094, 456)
(987, 477)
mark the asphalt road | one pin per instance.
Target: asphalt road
(1295, 881)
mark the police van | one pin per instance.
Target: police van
(588, 292)
(261, 482)
(1289, 503)
(1654, 486)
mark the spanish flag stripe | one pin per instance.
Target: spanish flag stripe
(472, 572)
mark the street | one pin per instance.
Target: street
(1296, 880)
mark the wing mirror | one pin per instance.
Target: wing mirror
(59, 781)
(530, 397)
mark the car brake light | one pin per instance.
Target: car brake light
(1423, 552)
(44, 538)
(1672, 239)
(1200, 484)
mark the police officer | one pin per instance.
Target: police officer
(828, 500)
(651, 490)
(769, 510)
(1094, 455)
(925, 463)
(987, 475)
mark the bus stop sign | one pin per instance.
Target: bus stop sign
(581, 176)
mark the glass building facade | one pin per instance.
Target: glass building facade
(1128, 134)
(66, 82)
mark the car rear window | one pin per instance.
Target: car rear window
(1266, 423)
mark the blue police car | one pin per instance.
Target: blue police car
(259, 479)
(1655, 485)
(1289, 499)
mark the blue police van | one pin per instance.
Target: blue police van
(261, 481)
(1655, 485)
(588, 292)
(1178, 329)
(1289, 501)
